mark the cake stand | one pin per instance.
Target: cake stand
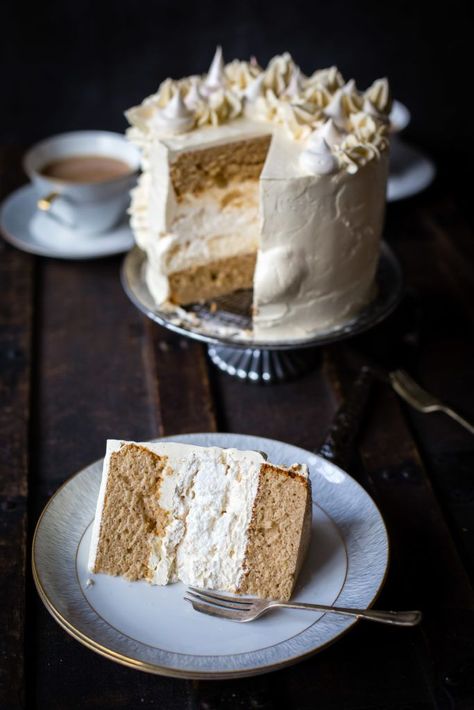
(225, 324)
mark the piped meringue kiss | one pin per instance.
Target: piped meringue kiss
(349, 87)
(215, 77)
(372, 110)
(294, 85)
(330, 132)
(335, 109)
(175, 117)
(255, 89)
(193, 97)
(379, 96)
(317, 158)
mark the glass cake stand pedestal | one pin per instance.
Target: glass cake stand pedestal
(225, 324)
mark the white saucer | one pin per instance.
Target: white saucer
(410, 171)
(399, 117)
(31, 230)
(153, 629)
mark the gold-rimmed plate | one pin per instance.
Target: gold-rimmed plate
(153, 629)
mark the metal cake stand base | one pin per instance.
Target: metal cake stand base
(225, 324)
(263, 366)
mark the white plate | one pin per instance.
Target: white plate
(154, 629)
(31, 230)
(410, 171)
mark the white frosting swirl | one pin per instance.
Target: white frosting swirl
(279, 94)
(336, 109)
(330, 79)
(174, 117)
(345, 101)
(331, 133)
(193, 97)
(293, 90)
(221, 106)
(317, 95)
(318, 158)
(279, 72)
(368, 137)
(241, 75)
(215, 78)
(255, 89)
(378, 99)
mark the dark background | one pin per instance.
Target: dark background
(72, 65)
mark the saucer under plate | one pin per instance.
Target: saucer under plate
(410, 171)
(31, 230)
(152, 628)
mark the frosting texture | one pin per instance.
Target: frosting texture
(279, 94)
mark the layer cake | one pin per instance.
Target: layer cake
(209, 517)
(264, 179)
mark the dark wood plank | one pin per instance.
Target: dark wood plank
(426, 564)
(91, 386)
(426, 570)
(343, 677)
(453, 249)
(297, 412)
(179, 382)
(16, 277)
(441, 283)
(16, 322)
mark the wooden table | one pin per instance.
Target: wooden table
(80, 364)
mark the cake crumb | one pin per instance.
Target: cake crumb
(90, 582)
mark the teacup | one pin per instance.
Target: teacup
(85, 202)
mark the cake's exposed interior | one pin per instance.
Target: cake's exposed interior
(217, 203)
(131, 516)
(210, 517)
(276, 534)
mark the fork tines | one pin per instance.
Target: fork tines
(225, 601)
(222, 605)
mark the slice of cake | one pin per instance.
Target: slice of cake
(263, 178)
(209, 517)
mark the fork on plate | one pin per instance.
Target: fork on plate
(243, 609)
(422, 400)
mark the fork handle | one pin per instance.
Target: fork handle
(457, 418)
(395, 618)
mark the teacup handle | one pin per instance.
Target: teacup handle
(57, 206)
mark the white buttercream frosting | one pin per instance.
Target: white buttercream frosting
(175, 117)
(331, 133)
(193, 96)
(319, 244)
(378, 96)
(279, 94)
(255, 88)
(215, 78)
(318, 158)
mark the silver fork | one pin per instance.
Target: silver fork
(422, 400)
(248, 608)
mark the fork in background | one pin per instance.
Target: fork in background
(422, 400)
(244, 609)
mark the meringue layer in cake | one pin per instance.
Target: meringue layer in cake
(209, 517)
(263, 179)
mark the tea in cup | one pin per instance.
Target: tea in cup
(83, 179)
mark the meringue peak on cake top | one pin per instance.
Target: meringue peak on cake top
(279, 94)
